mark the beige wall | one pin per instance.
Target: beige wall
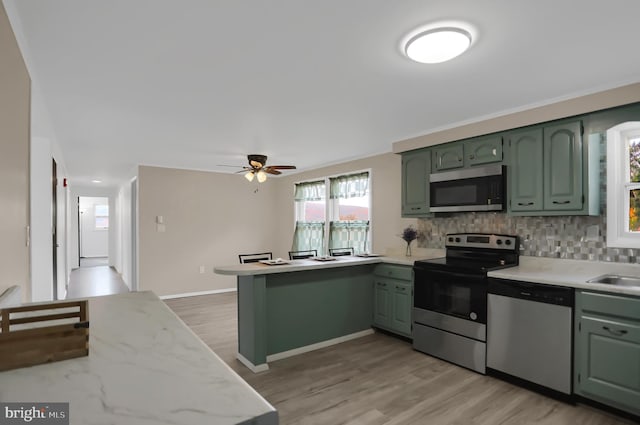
(209, 219)
(14, 161)
(567, 108)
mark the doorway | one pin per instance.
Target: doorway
(54, 225)
(93, 231)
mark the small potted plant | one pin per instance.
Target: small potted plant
(409, 234)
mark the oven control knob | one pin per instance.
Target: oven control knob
(473, 316)
(507, 242)
(498, 241)
(450, 239)
(457, 239)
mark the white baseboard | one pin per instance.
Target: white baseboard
(253, 368)
(317, 346)
(195, 294)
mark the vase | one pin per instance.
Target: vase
(408, 252)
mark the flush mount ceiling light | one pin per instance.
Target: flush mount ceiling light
(437, 44)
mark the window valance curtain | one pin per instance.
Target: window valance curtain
(349, 186)
(310, 191)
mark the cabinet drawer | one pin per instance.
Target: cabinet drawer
(395, 272)
(608, 304)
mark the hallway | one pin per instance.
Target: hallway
(93, 281)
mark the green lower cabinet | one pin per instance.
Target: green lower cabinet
(393, 298)
(382, 304)
(607, 350)
(401, 309)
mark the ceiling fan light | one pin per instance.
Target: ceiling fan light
(438, 45)
(262, 176)
(249, 176)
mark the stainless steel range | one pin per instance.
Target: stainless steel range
(450, 297)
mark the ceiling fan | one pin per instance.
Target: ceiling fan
(258, 168)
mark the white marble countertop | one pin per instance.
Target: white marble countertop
(571, 273)
(145, 366)
(308, 264)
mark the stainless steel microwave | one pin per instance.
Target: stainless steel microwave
(472, 189)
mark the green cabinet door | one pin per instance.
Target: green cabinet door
(609, 362)
(393, 298)
(525, 178)
(448, 156)
(416, 167)
(607, 349)
(483, 150)
(382, 303)
(401, 308)
(563, 167)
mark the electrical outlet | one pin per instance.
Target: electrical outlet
(201, 269)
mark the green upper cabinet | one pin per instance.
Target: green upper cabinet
(563, 167)
(448, 156)
(553, 170)
(482, 150)
(525, 171)
(416, 167)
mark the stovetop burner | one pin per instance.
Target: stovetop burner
(478, 252)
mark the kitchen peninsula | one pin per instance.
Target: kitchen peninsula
(288, 309)
(144, 366)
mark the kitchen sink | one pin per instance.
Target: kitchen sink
(615, 279)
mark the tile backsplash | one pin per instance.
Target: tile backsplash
(569, 237)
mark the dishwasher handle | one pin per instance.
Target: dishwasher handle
(537, 292)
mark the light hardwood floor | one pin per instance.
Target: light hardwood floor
(377, 380)
(95, 281)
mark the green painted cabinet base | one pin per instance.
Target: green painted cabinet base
(393, 300)
(286, 311)
(607, 349)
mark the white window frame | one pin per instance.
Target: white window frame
(618, 185)
(331, 205)
(95, 216)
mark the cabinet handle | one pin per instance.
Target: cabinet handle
(415, 208)
(470, 156)
(561, 202)
(614, 331)
(525, 204)
(459, 159)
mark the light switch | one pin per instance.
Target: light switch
(159, 219)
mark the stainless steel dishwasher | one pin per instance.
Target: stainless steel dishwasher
(529, 334)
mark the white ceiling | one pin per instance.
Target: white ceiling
(197, 83)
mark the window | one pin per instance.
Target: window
(342, 222)
(310, 207)
(623, 185)
(101, 214)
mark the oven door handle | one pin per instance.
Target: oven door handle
(429, 274)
